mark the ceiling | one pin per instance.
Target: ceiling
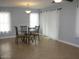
(36, 4)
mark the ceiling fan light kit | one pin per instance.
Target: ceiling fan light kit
(58, 1)
(28, 11)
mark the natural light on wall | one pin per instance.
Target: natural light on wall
(34, 19)
(4, 21)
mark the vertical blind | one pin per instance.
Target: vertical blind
(34, 19)
(4, 21)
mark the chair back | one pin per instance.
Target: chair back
(37, 28)
(16, 30)
(24, 29)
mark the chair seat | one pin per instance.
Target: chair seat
(34, 33)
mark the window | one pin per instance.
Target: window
(4, 21)
(34, 19)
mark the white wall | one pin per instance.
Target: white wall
(50, 22)
(67, 24)
(77, 21)
(77, 25)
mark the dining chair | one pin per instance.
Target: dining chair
(17, 34)
(24, 31)
(37, 34)
(34, 33)
(30, 32)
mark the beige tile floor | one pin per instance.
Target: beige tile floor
(43, 49)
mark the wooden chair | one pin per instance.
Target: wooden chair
(17, 34)
(30, 36)
(36, 33)
(24, 31)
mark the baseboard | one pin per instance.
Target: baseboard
(7, 37)
(72, 44)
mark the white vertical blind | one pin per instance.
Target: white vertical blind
(34, 19)
(4, 21)
(50, 23)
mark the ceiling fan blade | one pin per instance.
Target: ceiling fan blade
(70, 0)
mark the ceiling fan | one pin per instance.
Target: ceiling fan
(59, 1)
